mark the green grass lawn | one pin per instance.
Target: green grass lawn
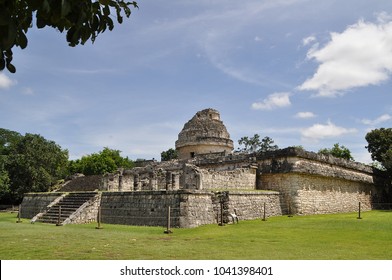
(339, 236)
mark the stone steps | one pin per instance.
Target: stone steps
(68, 205)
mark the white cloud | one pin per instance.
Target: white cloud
(306, 41)
(273, 101)
(305, 115)
(380, 119)
(359, 56)
(384, 17)
(5, 82)
(322, 131)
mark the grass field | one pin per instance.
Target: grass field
(319, 237)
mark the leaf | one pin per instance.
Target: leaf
(106, 11)
(110, 23)
(85, 34)
(22, 40)
(8, 53)
(95, 23)
(104, 2)
(40, 22)
(2, 63)
(69, 36)
(120, 19)
(11, 68)
(76, 37)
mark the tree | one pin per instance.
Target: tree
(82, 20)
(7, 139)
(251, 144)
(267, 145)
(34, 164)
(337, 151)
(380, 146)
(169, 155)
(4, 181)
(254, 144)
(106, 161)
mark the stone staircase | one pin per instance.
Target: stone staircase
(68, 205)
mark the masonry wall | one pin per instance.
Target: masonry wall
(139, 208)
(332, 195)
(241, 178)
(34, 203)
(197, 209)
(188, 208)
(250, 205)
(189, 151)
(305, 194)
(149, 208)
(87, 213)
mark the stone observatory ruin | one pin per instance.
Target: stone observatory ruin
(209, 183)
(205, 133)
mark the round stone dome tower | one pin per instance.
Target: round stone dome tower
(204, 133)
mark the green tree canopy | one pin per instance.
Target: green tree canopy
(106, 161)
(30, 163)
(82, 20)
(254, 144)
(169, 155)
(380, 146)
(8, 138)
(337, 151)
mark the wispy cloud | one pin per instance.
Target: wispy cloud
(379, 120)
(322, 131)
(218, 30)
(273, 101)
(6, 82)
(305, 115)
(306, 41)
(359, 56)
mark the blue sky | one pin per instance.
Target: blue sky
(310, 73)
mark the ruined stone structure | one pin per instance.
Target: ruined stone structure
(209, 183)
(205, 133)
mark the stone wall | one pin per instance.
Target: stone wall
(162, 176)
(241, 178)
(250, 205)
(188, 208)
(34, 203)
(180, 176)
(197, 209)
(310, 166)
(139, 208)
(305, 194)
(215, 145)
(87, 213)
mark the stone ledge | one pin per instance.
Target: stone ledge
(300, 153)
(261, 192)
